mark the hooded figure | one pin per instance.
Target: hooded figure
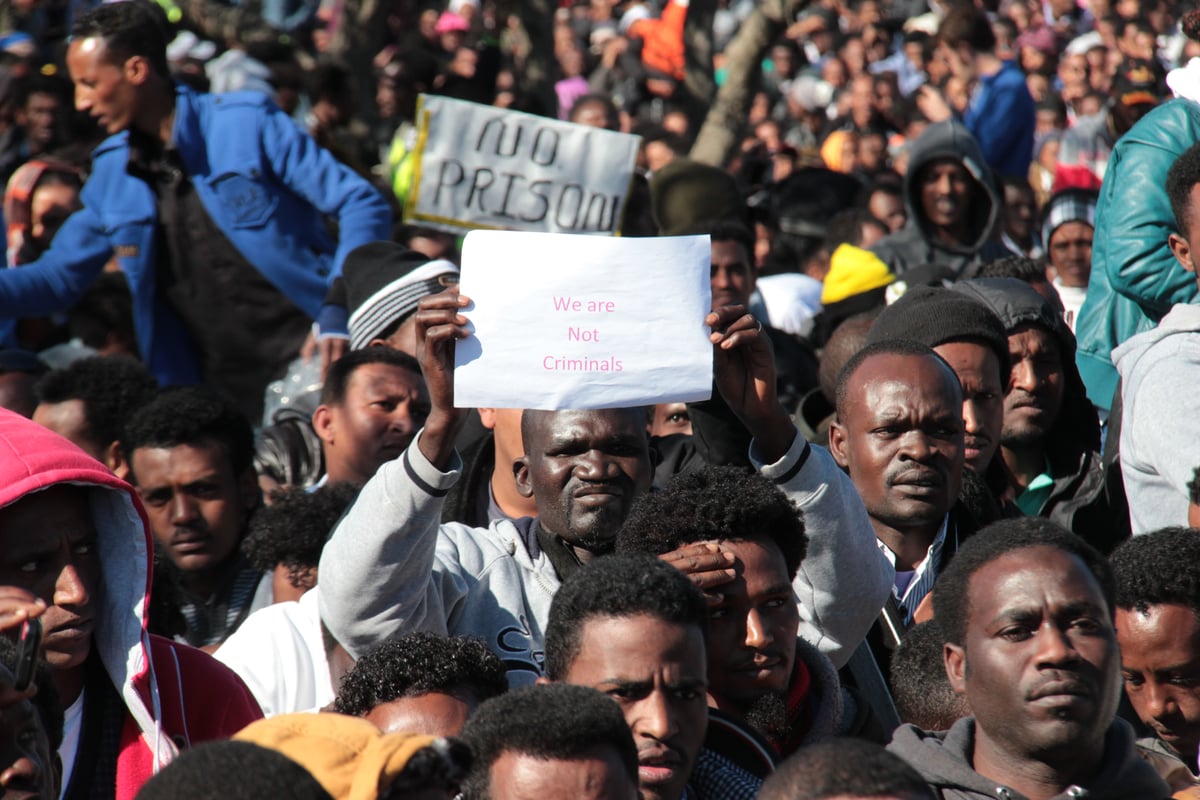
(917, 242)
(1078, 498)
(142, 697)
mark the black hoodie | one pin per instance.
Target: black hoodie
(1080, 499)
(914, 245)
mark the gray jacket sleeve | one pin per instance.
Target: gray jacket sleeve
(844, 579)
(386, 571)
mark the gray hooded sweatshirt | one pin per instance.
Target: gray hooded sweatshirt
(1160, 372)
(914, 244)
(944, 760)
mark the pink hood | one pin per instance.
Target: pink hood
(33, 458)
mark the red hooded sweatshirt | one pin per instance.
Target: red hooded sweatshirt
(174, 695)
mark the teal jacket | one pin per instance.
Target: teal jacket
(1135, 279)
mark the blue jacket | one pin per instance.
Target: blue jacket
(1002, 117)
(265, 183)
(1135, 279)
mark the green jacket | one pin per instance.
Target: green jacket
(1135, 278)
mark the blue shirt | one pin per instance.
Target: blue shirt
(1001, 117)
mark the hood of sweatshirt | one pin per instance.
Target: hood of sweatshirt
(944, 761)
(33, 459)
(1183, 320)
(952, 140)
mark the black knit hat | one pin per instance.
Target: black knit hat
(383, 282)
(933, 315)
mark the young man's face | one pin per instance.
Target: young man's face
(752, 630)
(1160, 663)
(197, 506)
(383, 408)
(654, 670)
(104, 89)
(732, 274)
(48, 548)
(1038, 664)
(1034, 395)
(945, 191)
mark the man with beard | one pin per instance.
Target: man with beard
(390, 569)
(372, 404)
(1049, 445)
(1027, 609)
(761, 673)
(189, 453)
(899, 433)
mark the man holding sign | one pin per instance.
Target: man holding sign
(390, 569)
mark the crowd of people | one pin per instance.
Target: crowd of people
(934, 536)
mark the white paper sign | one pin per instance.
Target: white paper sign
(480, 166)
(573, 322)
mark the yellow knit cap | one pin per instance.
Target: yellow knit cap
(852, 271)
(348, 756)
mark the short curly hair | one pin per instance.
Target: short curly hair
(111, 388)
(951, 598)
(1157, 568)
(549, 721)
(619, 585)
(292, 530)
(192, 415)
(417, 664)
(919, 682)
(715, 503)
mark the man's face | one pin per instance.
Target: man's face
(1018, 212)
(584, 469)
(889, 208)
(383, 408)
(105, 90)
(1071, 253)
(40, 119)
(902, 439)
(432, 714)
(48, 548)
(1160, 662)
(752, 630)
(654, 670)
(197, 506)
(732, 274)
(945, 188)
(28, 768)
(598, 776)
(1035, 385)
(978, 371)
(1039, 664)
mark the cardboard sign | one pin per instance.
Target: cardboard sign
(479, 166)
(574, 322)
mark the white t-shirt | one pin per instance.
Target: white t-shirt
(72, 727)
(1072, 300)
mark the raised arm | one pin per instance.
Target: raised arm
(386, 571)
